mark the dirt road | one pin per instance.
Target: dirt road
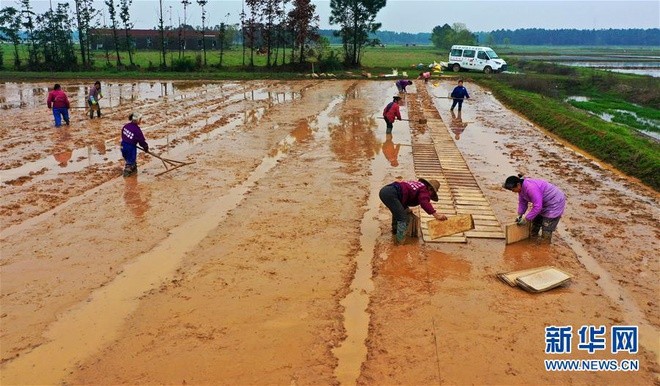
(269, 260)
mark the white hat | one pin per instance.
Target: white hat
(136, 116)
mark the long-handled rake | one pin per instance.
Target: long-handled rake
(421, 121)
(448, 97)
(170, 164)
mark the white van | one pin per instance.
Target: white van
(475, 58)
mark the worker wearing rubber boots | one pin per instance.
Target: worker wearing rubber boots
(401, 195)
(131, 136)
(93, 100)
(390, 113)
(548, 203)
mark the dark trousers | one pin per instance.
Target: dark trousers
(547, 225)
(389, 126)
(458, 102)
(93, 107)
(391, 197)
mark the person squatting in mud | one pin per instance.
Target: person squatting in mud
(93, 100)
(548, 203)
(390, 113)
(399, 196)
(401, 85)
(59, 103)
(131, 136)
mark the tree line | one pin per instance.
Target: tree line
(444, 36)
(574, 37)
(285, 31)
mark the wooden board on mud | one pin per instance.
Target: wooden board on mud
(451, 226)
(515, 232)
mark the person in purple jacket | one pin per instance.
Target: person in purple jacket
(399, 196)
(131, 136)
(548, 203)
(401, 84)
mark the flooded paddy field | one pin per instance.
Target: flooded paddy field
(240, 268)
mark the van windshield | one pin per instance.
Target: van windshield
(492, 54)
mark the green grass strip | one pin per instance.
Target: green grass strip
(615, 144)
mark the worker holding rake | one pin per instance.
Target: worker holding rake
(131, 136)
(390, 113)
(459, 94)
(401, 195)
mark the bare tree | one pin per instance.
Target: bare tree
(185, 3)
(84, 15)
(203, 3)
(250, 32)
(27, 18)
(113, 18)
(124, 14)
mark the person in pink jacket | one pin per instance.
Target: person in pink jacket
(59, 103)
(390, 113)
(548, 204)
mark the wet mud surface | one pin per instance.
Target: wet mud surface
(269, 260)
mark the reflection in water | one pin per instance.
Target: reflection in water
(528, 254)
(391, 151)
(137, 204)
(100, 147)
(353, 138)
(352, 92)
(457, 125)
(63, 148)
(302, 132)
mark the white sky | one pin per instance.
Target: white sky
(423, 15)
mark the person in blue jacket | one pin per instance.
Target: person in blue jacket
(459, 94)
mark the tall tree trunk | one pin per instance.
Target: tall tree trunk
(81, 34)
(116, 40)
(162, 36)
(128, 47)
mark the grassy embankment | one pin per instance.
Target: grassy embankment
(538, 93)
(540, 96)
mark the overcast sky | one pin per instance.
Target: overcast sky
(422, 16)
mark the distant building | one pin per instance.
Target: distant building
(149, 39)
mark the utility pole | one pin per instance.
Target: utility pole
(162, 34)
(185, 21)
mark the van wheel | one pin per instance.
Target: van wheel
(488, 70)
(456, 67)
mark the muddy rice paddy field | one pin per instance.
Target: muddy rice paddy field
(269, 260)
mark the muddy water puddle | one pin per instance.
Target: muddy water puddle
(404, 306)
(79, 333)
(200, 113)
(597, 220)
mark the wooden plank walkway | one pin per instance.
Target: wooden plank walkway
(436, 156)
